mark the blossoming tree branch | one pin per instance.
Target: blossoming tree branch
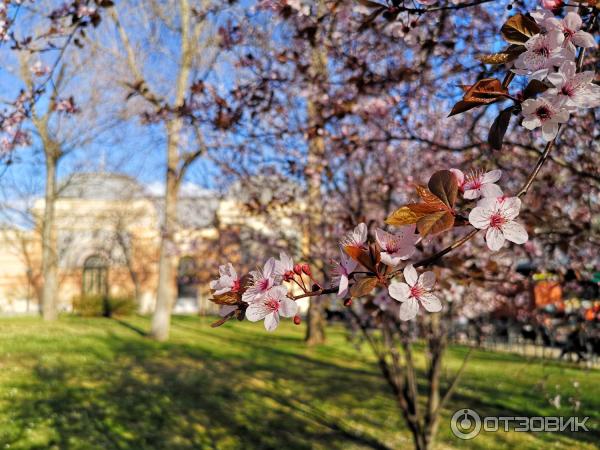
(545, 47)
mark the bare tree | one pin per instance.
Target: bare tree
(192, 29)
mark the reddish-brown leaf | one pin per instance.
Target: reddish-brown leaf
(483, 92)
(444, 186)
(463, 106)
(486, 90)
(511, 53)
(228, 298)
(363, 286)
(360, 256)
(519, 28)
(435, 223)
(402, 216)
(499, 127)
(533, 88)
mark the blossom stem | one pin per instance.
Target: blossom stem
(542, 159)
(316, 293)
(433, 258)
(302, 286)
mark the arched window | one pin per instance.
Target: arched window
(187, 278)
(95, 276)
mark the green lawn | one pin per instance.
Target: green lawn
(99, 384)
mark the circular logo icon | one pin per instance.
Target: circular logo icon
(465, 424)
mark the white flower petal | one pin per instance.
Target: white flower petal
(390, 260)
(529, 106)
(343, 289)
(427, 280)
(256, 311)
(510, 207)
(361, 232)
(489, 203)
(269, 267)
(430, 302)
(491, 190)
(410, 275)
(583, 39)
(399, 291)
(549, 131)
(409, 309)
(492, 176)
(554, 38)
(572, 21)
(515, 232)
(494, 239)
(250, 296)
(288, 307)
(479, 217)
(562, 116)
(381, 238)
(531, 122)
(271, 321)
(557, 79)
(471, 194)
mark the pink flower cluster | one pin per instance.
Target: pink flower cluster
(266, 296)
(11, 133)
(394, 248)
(550, 57)
(494, 212)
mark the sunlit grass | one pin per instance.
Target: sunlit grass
(99, 384)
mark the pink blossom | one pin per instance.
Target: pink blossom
(570, 27)
(66, 105)
(228, 280)
(545, 113)
(415, 290)
(396, 247)
(284, 267)
(356, 238)
(262, 281)
(39, 69)
(269, 307)
(544, 51)
(341, 271)
(478, 183)
(551, 4)
(575, 89)
(540, 15)
(496, 215)
(84, 11)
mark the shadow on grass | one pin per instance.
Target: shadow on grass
(108, 387)
(167, 396)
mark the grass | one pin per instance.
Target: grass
(99, 384)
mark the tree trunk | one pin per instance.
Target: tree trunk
(315, 324)
(49, 246)
(165, 297)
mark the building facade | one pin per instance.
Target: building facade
(108, 233)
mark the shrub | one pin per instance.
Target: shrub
(100, 305)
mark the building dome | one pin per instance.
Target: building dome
(100, 186)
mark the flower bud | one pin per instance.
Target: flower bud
(306, 269)
(289, 275)
(298, 269)
(297, 319)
